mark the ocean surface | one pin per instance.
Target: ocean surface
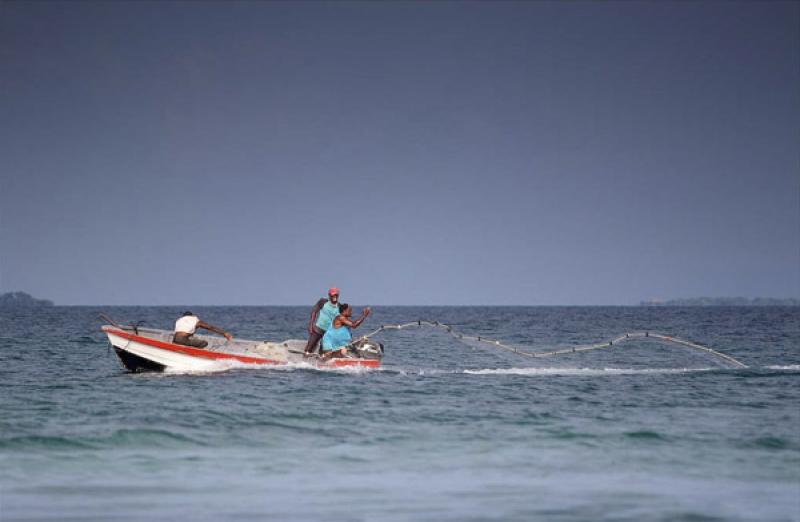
(444, 431)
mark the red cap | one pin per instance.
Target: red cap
(333, 291)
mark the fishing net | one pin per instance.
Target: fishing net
(639, 339)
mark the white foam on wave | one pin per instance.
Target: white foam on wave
(213, 368)
(228, 365)
(790, 367)
(582, 371)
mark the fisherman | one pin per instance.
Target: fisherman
(322, 315)
(186, 326)
(336, 339)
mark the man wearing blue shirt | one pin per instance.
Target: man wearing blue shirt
(322, 315)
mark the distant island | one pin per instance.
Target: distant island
(724, 301)
(22, 300)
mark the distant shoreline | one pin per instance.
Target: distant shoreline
(724, 301)
(22, 300)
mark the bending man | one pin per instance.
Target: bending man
(336, 339)
(187, 325)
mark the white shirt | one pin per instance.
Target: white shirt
(187, 324)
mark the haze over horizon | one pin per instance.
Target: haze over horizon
(646, 302)
(541, 153)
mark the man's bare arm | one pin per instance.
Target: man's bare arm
(211, 328)
(357, 322)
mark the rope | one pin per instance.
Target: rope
(573, 349)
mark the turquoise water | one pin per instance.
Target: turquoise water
(444, 431)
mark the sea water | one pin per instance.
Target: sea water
(444, 431)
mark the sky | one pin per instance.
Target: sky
(432, 153)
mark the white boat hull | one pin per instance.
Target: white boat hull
(153, 350)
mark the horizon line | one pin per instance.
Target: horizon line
(641, 304)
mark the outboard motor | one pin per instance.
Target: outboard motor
(367, 349)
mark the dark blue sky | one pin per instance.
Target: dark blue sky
(409, 153)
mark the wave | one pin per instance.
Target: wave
(789, 367)
(150, 438)
(143, 437)
(769, 443)
(45, 442)
(583, 371)
(85, 339)
(644, 435)
(225, 366)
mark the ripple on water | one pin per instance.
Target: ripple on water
(123, 438)
(769, 443)
(645, 435)
(43, 442)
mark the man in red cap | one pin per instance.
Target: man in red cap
(322, 315)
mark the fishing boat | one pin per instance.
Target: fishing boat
(149, 349)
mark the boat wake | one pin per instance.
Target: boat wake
(790, 367)
(543, 372)
(584, 371)
(227, 366)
